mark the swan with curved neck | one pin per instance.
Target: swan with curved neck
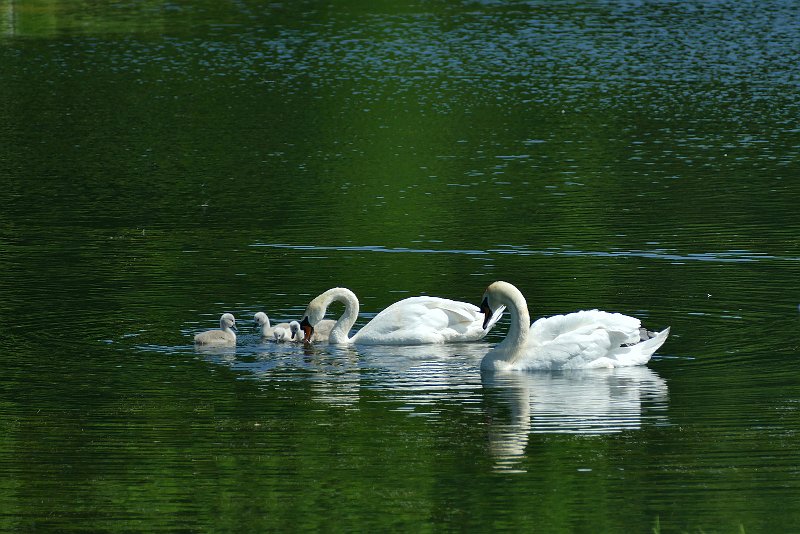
(225, 336)
(412, 321)
(584, 339)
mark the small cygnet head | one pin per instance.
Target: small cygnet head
(296, 331)
(261, 319)
(281, 334)
(227, 321)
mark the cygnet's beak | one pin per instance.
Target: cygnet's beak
(308, 330)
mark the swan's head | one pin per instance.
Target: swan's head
(315, 312)
(308, 330)
(261, 319)
(227, 321)
(294, 328)
(493, 299)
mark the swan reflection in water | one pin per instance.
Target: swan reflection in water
(423, 380)
(332, 375)
(419, 377)
(519, 404)
(582, 401)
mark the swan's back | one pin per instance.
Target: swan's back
(215, 337)
(423, 320)
(621, 328)
(584, 340)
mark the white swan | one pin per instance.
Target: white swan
(224, 337)
(411, 321)
(267, 330)
(584, 339)
(322, 331)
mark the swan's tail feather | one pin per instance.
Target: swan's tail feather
(640, 353)
(645, 334)
(654, 340)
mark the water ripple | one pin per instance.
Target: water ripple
(672, 255)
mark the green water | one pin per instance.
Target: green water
(165, 162)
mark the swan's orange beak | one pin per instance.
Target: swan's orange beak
(487, 312)
(308, 330)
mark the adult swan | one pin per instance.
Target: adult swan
(412, 321)
(580, 340)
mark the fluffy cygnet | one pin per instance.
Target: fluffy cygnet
(226, 335)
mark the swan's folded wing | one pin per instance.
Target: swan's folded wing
(465, 318)
(409, 321)
(456, 310)
(432, 312)
(424, 320)
(574, 349)
(597, 348)
(621, 328)
(639, 353)
(410, 312)
(459, 312)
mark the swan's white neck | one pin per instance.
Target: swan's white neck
(266, 326)
(227, 330)
(511, 348)
(339, 332)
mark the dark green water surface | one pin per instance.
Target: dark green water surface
(164, 162)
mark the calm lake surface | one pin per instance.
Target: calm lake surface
(165, 162)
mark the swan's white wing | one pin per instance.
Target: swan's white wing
(464, 318)
(638, 353)
(621, 328)
(419, 320)
(569, 350)
(588, 339)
